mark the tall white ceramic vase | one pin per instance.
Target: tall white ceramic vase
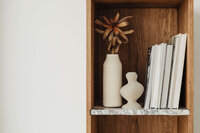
(112, 81)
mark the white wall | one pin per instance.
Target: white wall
(42, 66)
(196, 66)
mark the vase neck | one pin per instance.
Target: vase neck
(112, 57)
(131, 76)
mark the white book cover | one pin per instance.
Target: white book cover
(167, 74)
(174, 69)
(150, 79)
(156, 78)
(180, 66)
(162, 66)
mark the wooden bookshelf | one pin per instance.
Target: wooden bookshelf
(154, 21)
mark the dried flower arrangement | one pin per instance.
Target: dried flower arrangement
(113, 33)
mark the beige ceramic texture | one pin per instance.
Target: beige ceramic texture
(112, 81)
(132, 91)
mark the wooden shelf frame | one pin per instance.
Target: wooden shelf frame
(142, 124)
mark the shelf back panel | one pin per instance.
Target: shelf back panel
(151, 25)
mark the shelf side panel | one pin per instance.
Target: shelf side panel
(91, 120)
(185, 22)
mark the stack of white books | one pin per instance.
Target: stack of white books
(164, 75)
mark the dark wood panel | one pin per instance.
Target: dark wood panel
(151, 25)
(137, 124)
(91, 120)
(144, 2)
(185, 25)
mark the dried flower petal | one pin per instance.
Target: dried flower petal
(101, 23)
(122, 24)
(125, 18)
(107, 21)
(128, 32)
(106, 33)
(111, 20)
(123, 35)
(99, 31)
(110, 36)
(116, 17)
(118, 40)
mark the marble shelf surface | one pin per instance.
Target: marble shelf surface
(100, 110)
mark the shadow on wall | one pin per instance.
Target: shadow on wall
(196, 67)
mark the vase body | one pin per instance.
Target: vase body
(112, 81)
(132, 91)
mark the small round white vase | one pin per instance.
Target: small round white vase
(112, 81)
(132, 91)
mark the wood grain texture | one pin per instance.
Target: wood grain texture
(137, 124)
(152, 26)
(185, 22)
(91, 120)
(172, 2)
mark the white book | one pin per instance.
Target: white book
(162, 66)
(177, 70)
(150, 79)
(180, 66)
(156, 78)
(167, 74)
(175, 41)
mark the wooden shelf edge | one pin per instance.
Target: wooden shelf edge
(99, 110)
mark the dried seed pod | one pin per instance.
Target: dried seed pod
(111, 36)
(116, 17)
(106, 33)
(99, 31)
(118, 40)
(128, 32)
(123, 35)
(125, 18)
(122, 24)
(107, 21)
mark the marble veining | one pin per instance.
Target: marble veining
(99, 110)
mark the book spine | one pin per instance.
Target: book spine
(180, 67)
(162, 66)
(167, 74)
(146, 105)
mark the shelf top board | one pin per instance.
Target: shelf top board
(99, 110)
(142, 1)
